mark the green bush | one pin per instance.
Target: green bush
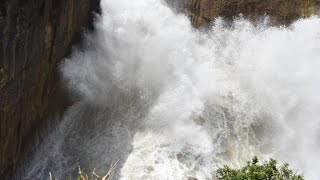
(256, 171)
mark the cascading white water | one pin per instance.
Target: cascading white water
(170, 102)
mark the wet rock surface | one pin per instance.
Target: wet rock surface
(34, 37)
(282, 12)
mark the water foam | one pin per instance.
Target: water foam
(171, 102)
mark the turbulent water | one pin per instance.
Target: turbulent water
(168, 101)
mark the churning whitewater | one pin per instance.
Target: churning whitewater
(167, 101)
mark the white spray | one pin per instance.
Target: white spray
(171, 102)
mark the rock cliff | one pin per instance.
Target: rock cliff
(284, 12)
(34, 36)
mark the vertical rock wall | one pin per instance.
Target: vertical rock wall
(203, 12)
(34, 36)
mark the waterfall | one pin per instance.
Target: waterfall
(168, 101)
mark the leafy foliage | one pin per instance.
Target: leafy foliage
(256, 171)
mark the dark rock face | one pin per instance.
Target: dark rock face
(284, 12)
(34, 36)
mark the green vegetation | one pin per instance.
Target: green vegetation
(254, 170)
(257, 171)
